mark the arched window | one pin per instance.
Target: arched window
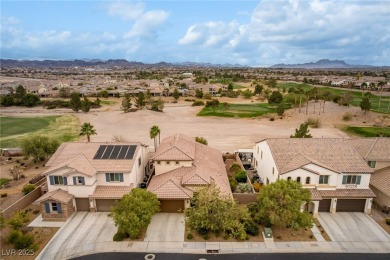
(289, 179)
(298, 179)
(307, 180)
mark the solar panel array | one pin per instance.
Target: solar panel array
(115, 152)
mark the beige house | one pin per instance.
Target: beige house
(181, 167)
(91, 176)
(336, 174)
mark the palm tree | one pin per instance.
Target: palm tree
(88, 130)
(154, 131)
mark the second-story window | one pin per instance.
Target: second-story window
(114, 177)
(352, 179)
(324, 179)
(299, 179)
(372, 164)
(307, 180)
(78, 180)
(58, 180)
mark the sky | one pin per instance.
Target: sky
(246, 32)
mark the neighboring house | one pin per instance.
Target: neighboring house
(181, 167)
(376, 152)
(335, 173)
(91, 176)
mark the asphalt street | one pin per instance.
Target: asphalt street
(272, 256)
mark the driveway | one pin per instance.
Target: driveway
(83, 232)
(166, 227)
(352, 227)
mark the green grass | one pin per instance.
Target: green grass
(237, 86)
(108, 102)
(13, 129)
(368, 131)
(357, 96)
(4, 181)
(239, 110)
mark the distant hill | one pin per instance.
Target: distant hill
(321, 64)
(108, 63)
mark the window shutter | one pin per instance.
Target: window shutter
(59, 207)
(358, 179)
(65, 180)
(107, 177)
(83, 180)
(47, 206)
(74, 180)
(345, 179)
(51, 179)
(121, 177)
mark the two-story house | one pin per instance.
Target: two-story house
(181, 167)
(336, 174)
(91, 176)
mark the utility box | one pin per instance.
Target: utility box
(267, 232)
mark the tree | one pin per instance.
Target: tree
(64, 92)
(346, 98)
(126, 103)
(201, 140)
(302, 132)
(39, 147)
(365, 104)
(272, 83)
(153, 133)
(156, 104)
(103, 93)
(86, 105)
(198, 93)
(230, 87)
(258, 89)
(226, 105)
(176, 94)
(30, 100)
(75, 101)
(7, 100)
(280, 109)
(213, 104)
(279, 204)
(275, 98)
(97, 102)
(88, 130)
(247, 93)
(140, 101)
(211, 211)
(20, 92)
(134, 212)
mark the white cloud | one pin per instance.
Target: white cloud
(147, 23)
(126, 10)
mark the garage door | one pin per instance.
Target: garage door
(350, 205)
(324, 206)
(171, 205)
(82, 204)
(104, 205)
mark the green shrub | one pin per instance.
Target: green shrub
(251, 228)
(233, 183)
(14, 235)
(241, 176)
(243, 188)
(206, 237)
(119, 236)
(347, 116)
(313, 122)
(388, 221)
(24, 241)
(203, 231)
(28, 188)
(18, 219)
(235, 167)
(198, 103)
(190, 236)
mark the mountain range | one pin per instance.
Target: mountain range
(321, 64)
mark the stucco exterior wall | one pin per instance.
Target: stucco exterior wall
(381, 198)
(265, 163)
(381, 164)
(163, 166)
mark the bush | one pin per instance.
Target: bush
(3, 195)
(251, 228)
(243, 188)
(388, 221)
(256, 186)
(235, 167)
(190, 236)
(272, 119)
(198, 103)
(28, 188)
(207, 96)
(313, 122)
(18, 219)
(347, 116)
(206, 237)
(241, 176)
(24, 242)
(119, 236)
(203, 231)
(13, 236)
(233, 183)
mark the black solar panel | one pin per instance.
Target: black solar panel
(123, 152)
(130, 153)
(115, 152)
(100, 152)
(108, 151)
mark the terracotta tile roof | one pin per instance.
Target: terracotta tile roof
(177, 147)
(347, 193)
(207, 167)
(315, 194)
(381, 180)
(334, 154)
(80, 156)
(372, 149)
(110, 192)
(56, 195)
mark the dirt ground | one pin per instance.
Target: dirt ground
(225, 134)
(287, 234)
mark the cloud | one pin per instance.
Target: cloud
(300, 31)
(126, 10)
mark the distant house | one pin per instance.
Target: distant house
(181, 167)
(187, 75)
(91, 176)
(334, 172)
